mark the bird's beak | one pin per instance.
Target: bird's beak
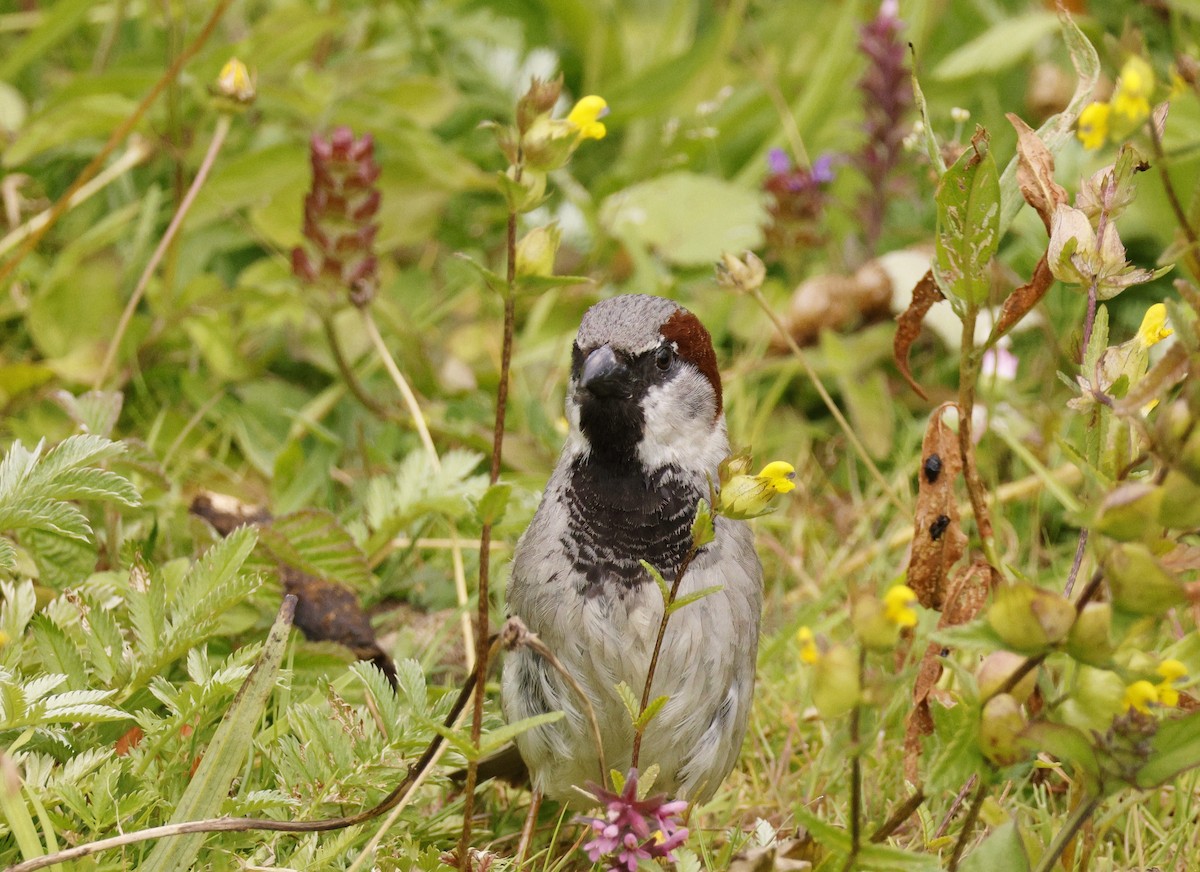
(604, 375)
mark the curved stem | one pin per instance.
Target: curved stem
(470, 648)
(347, 372)
(855, 442)
(968, 372)
(206, 165)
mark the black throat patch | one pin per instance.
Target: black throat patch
(619, 515)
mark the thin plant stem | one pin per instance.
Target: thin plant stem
(968, 826)
(1064, 836)
(1160, 157)
(658, 640)
(372, 405)
(118, 135)
(902, 813)
(856, 772)
(214, 147)
(855, 442)
(1080, 547)
(485, 534)
(968, 373)
(470, 649)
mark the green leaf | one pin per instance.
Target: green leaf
(692, 597)
(1002, 851)
(501, 736)
(1066, 743)
(652, 709)
(57, 23)
(703, 528)
(663, 588)
(314, 542)
(629, 700)
(493, 504)
(1001, 46)
(685, 218)
(968, 223)
(1176, 749)
(226, 754)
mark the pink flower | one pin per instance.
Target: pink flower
(633, 830)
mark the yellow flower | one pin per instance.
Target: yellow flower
(748, 496)
(779, 475)
(1154, 327)
(586, 115)
(1140, 696)
(898, 605)
(1170, 671)
(234, 82)
(808, 646)
(1131, 101)
(1093, 125)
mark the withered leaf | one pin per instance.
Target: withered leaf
(938, 539)
(1035, 171)
(908, 326)
(1023, 299)
(968, 592)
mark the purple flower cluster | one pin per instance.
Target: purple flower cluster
(338, 213)
(887, 95)
(797, 204)
(633, 830)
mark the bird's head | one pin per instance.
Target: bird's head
(644, 386)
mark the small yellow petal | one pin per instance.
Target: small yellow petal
(898, 605)
(1154, 327)
(1168, 695)
(779, 475)
(808, 646)
(586, 115)
(1172, 670)
(1140, 696)
(1093, 125)
(234, 81)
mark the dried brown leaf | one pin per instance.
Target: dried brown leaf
(968, 592)
(1024, 298)
(918, 725)
(1035, 171)
(938, 539)
(908, 326)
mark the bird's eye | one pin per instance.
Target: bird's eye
(663, 357)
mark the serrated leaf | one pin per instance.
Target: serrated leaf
(703, 527)
(313, 542)
(693, 597)
(493, 504)
(630, 700)
(652, 709)
(968, 223)
(226, 753)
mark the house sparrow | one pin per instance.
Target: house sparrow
(646, 435)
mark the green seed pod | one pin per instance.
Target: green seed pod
(1000, 728)
(1130, 512)
(995, 670)
(1090, 640)
(1138, 582)
(1030, 619)
(872, 626)
(835, 685)
(1180, 509)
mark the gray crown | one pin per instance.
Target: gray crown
(630, 322)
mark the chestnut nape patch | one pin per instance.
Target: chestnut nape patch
(694, 344)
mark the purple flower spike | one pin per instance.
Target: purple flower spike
(338, 213)
(633, 830)
(778, 161)
(822, 169)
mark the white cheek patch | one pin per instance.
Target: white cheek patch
(679, 425)
(577, 443)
